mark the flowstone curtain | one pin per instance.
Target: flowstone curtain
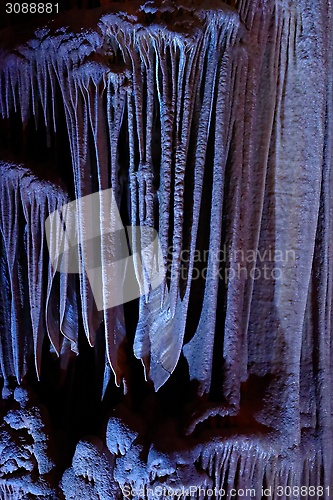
(210, 123)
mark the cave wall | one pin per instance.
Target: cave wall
(212, 124)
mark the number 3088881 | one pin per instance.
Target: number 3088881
(32, 8)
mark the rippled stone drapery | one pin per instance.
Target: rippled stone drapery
(212, 124)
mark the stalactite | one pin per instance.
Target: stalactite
(39, 302)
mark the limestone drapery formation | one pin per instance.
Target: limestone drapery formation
(212, 124)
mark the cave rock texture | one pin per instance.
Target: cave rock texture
(212, 123)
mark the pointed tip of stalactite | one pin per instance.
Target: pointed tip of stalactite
(89, 330)
(74, 346)
(145, 364)
(158, 336)
(118, 377)
(55, 346)
(91, 340)
(20, 378)
(107, 377)
(158, 375)
(38, 366)
(125, 386)
(118, 380)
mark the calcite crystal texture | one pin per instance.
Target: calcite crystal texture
(211, 123)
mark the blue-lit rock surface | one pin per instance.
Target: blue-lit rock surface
(211, 123)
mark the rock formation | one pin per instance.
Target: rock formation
(211, 123)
